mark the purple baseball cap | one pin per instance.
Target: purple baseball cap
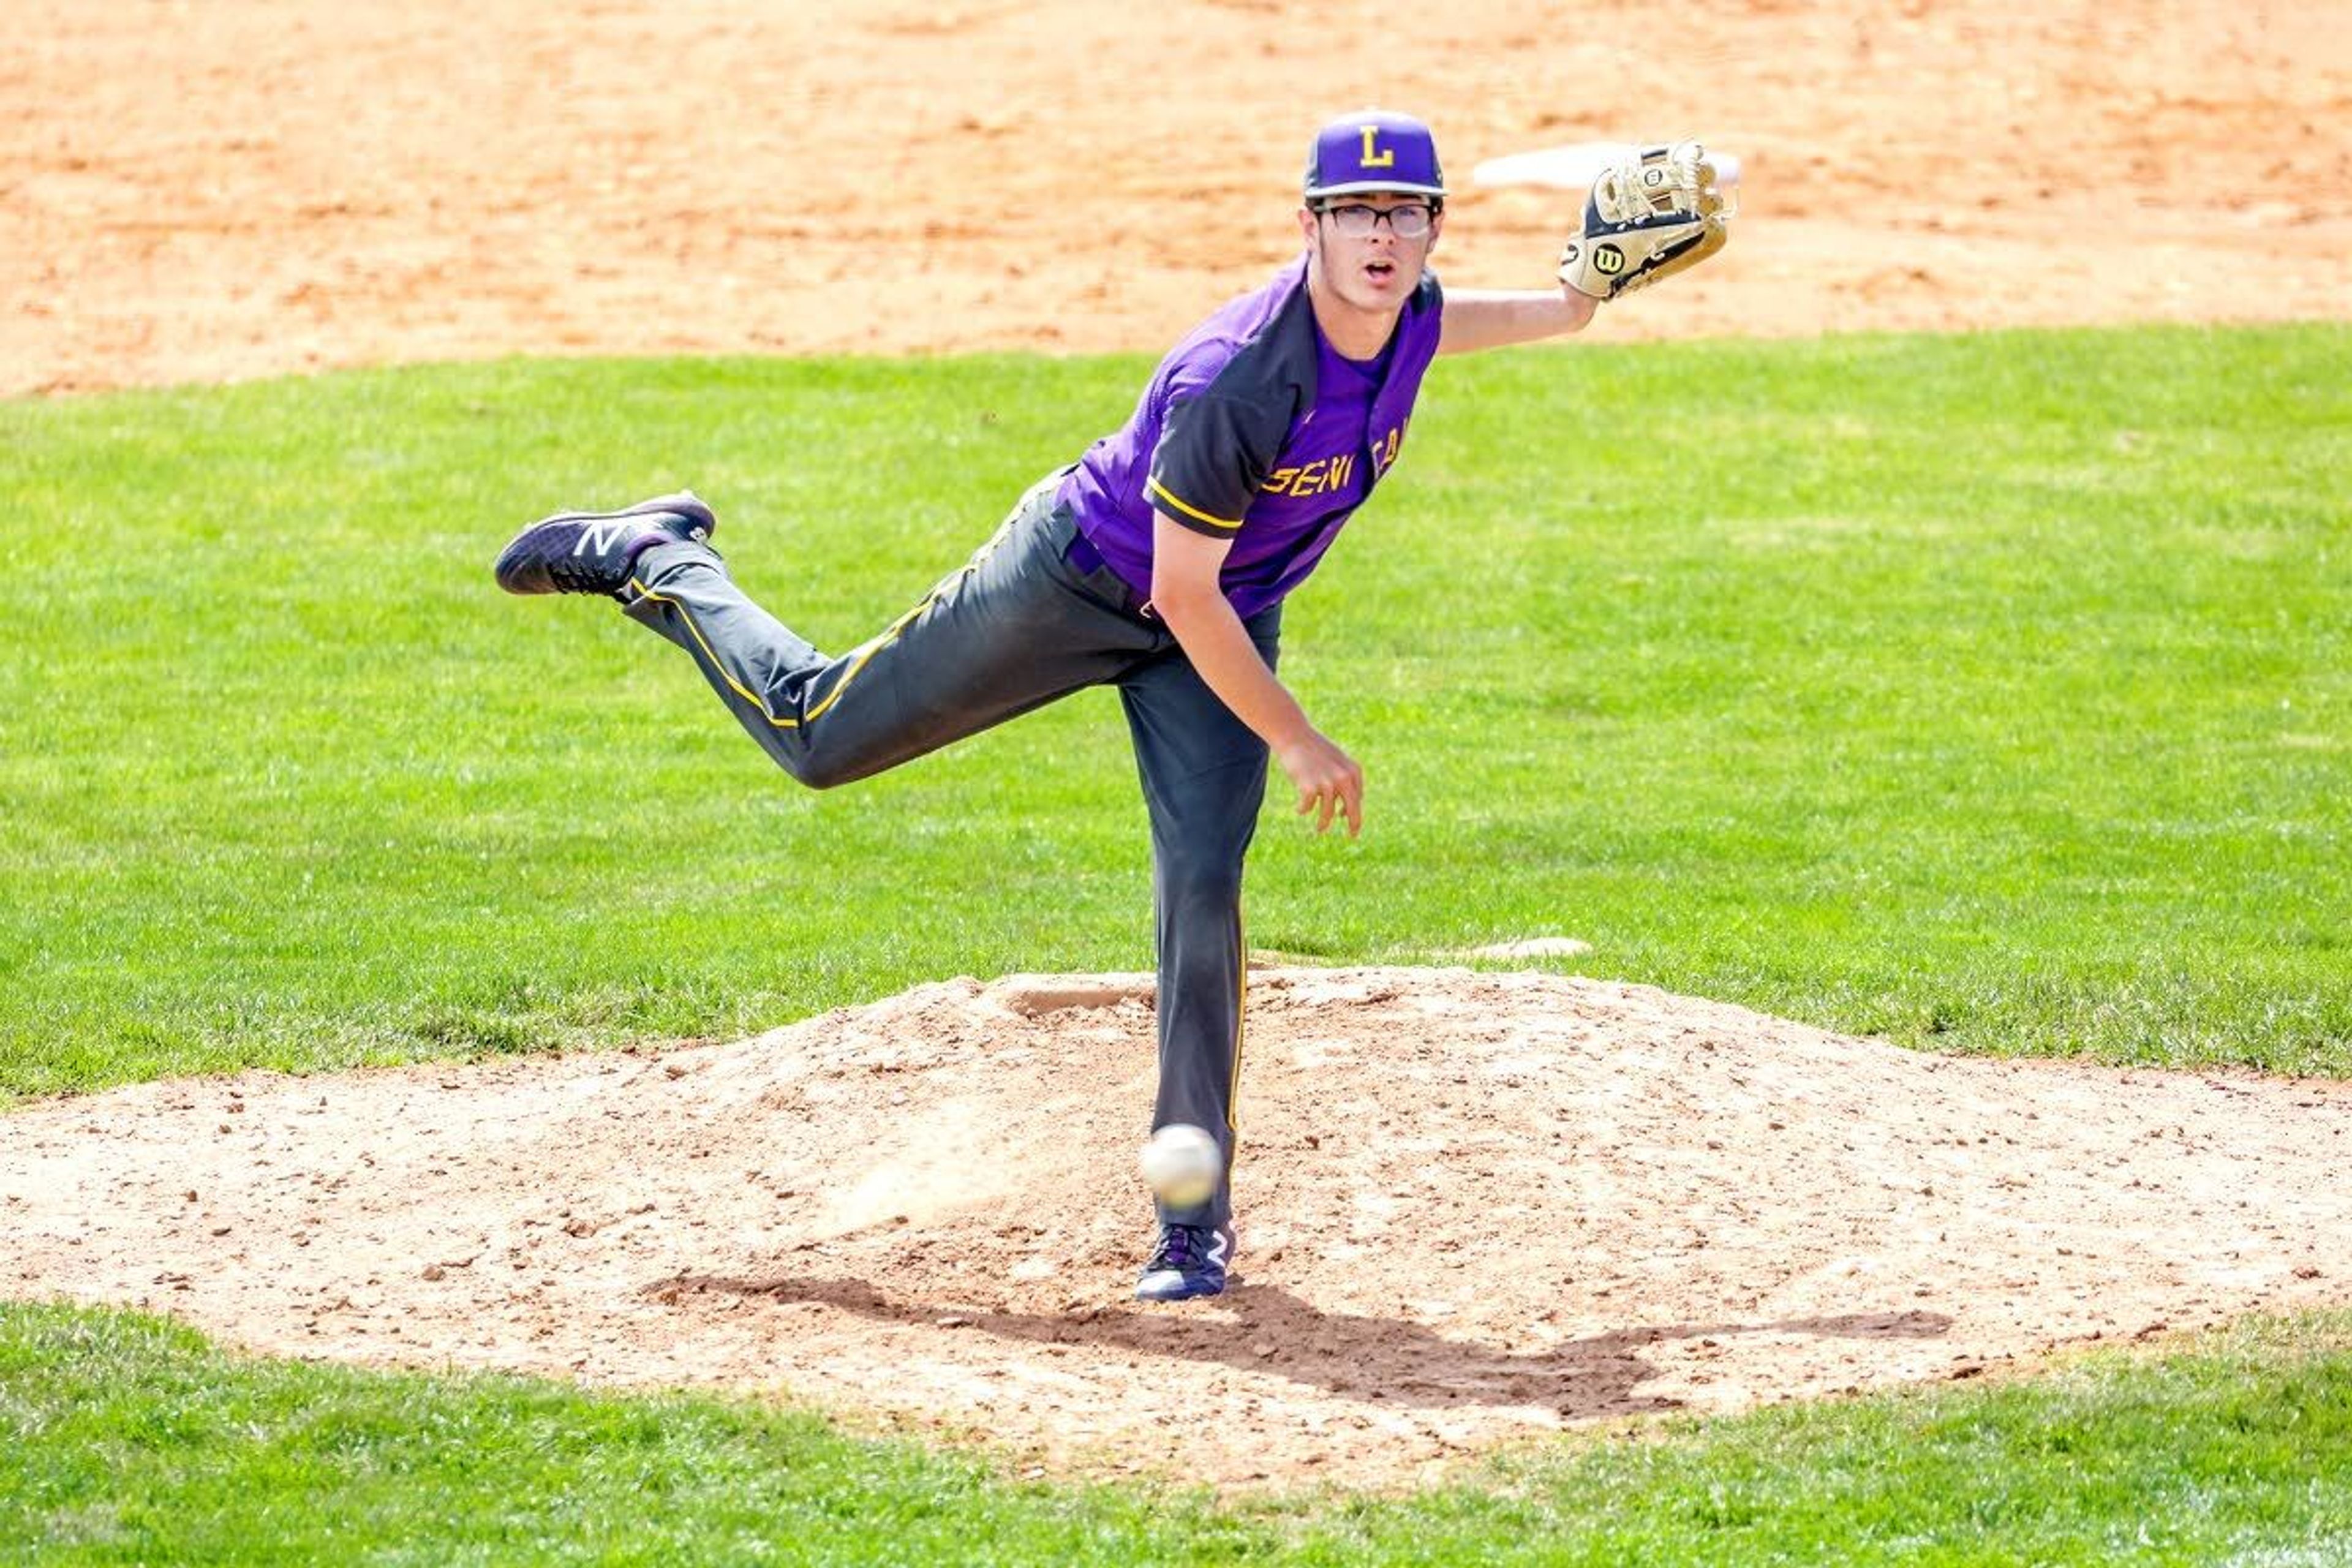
(1373, 150)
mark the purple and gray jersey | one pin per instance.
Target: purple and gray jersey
(1254, 429)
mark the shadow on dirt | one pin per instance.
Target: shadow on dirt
(1262, 1328)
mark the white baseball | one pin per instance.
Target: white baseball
(1182, 1165)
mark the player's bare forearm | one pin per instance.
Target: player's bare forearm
(1216, 641)
(1329, 782)
(1493, 318)
(1186, 595)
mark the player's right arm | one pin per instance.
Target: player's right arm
(1187, 597)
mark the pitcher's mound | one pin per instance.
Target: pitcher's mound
(1473, 1207)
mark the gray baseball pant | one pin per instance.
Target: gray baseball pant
(1020, 624)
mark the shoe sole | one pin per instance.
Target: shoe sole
(1217, 1289)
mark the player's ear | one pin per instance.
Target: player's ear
(1307, 223)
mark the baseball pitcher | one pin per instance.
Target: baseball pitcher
(1158, 563)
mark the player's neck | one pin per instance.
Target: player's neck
(1353, 333)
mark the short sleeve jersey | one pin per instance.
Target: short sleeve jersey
(1254, 429)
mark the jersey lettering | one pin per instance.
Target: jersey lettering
(1324, 475)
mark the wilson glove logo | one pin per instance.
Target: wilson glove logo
(1608, 260)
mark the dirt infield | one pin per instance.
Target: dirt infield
(1477, 1206)
(199, 193)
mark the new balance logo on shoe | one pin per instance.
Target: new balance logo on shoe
(594, 552)
(597, 538)
(1190, 1261)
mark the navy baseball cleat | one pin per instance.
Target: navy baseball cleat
(593, 552)
(1190, 1261)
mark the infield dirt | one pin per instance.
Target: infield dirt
(1477, 1206)
(200, 192)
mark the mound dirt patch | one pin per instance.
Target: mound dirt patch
(207, 192)
(1474, 1207)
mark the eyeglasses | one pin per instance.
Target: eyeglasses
(1356, 221)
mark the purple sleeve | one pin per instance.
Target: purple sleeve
(1213, 453)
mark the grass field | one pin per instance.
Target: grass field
(1995, 690)
(135, 1442)
(1990, 691)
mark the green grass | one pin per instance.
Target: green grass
(131, 1440)
(1993, 689)
(1993, 693)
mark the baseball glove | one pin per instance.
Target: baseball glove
(1650, 215)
